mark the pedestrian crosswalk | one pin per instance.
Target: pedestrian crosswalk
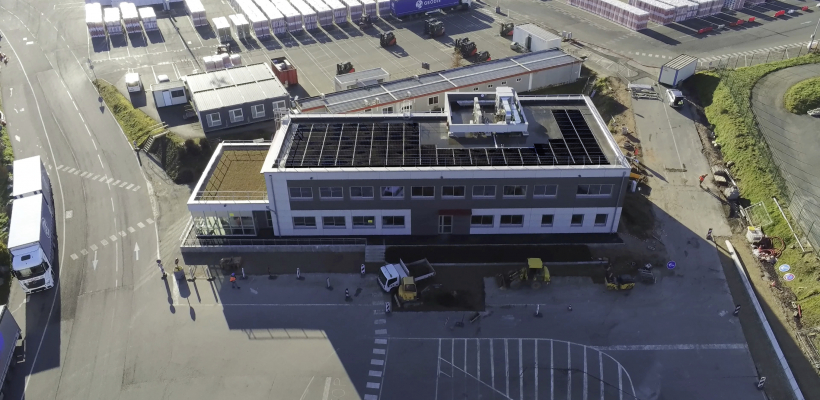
(778, 49)
(110, 239)
(648, 55)
(100, 178)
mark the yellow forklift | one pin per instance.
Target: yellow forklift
(620, 282)
(535, 272)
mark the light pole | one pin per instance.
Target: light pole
(811, 41)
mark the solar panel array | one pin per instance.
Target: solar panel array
(398, 144)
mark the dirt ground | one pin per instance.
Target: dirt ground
(614, 102)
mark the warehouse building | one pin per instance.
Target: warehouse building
(491, 163)
(423, 93)
(238, 96)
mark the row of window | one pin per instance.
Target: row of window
(236, 115)
(396, 221)
(431, 101)
(487, 221)
(478, 191)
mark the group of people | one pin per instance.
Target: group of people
(4, 58)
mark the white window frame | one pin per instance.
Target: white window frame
(214, 122)
(551, 223)
(490, 86)
(301, 193)
(536, 194)
(352, 197)
(453, 196)
(576, 223)
(510, 224)
(364, 219)
(233, 117)
(513, 196)
(433, 196)
(594, 190)
(304, 224)
(334, 226)
(432, 100)
(387, 110)
(393, 219)
(279, 105)
(393, 195)
(407, 108)
(606, 219)
(503, 82)
(331, 195)
(482, 225)
(518, 79)
(257, 114)
(484, 190)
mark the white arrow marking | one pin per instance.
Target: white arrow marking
(95, 261)
(254, 291)
(22, 109)
(17, 138)
(137, 251)
(29, 43)
(11, 92)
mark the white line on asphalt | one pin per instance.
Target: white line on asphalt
(385, 370)
(569, 370)
(381, 341)
(326, 393)
(666, 347)
(452, 356)
(478, 358)
(492, 365)
(74, 256)
(552, 374)
(381, 331)
(72, 170)
(83, 174)
(378, 351)
(377, 374)
(536, 370)
(438, 367)
(672, 132)
(620, 384)
(380, 322)
(307, 387)
(141, 225)
(117, 182)
(104, 242)
(371, 397)
(112, 204)
(586, 390)
(471, 376)
(601, 373)
(101, 163)
(376, 362)
(520, 370)
(373, 385)
(507, 366)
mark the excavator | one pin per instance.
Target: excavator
(535, 273)
(387, 39)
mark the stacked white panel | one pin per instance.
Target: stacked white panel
(323, 13)
(685, 9)
(148, 18)
(258, 21)
(354, 9)
(339, 11)
(292, 16)
(753, 2)
(130, 18)
(223, 29)
(240, 25)
(113, 24)
(734, 4)
(717, 6)
(620, 13)
(94, 20)
(369, 7)
(277, 21)
(704, 7)
(384, 8)
(197, 12)
(660, 13)
(308, 14)
(236, 60)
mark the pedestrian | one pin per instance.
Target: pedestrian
(176, 262)
(709, 234)
(347, 295)
(233, 281)
(701, 178)
(161, 270)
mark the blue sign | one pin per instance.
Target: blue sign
(670, 265)
(788, 277)
(784, 268)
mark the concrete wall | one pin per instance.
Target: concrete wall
(247, 114)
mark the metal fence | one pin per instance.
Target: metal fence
(748, 60)
(221, 242)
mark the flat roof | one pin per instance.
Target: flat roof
(536, 30)
(167, 85)
(236, 174)
(680, 61)
(234, 86)
(366, 75)
(562, 131)
(27, 176)
(25, 211)
(436, 82)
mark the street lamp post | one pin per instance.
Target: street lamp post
(811, 40)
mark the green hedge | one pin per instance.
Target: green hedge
(803, 96)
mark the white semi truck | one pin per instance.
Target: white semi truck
(30, 178)
(9, 335)
(32, 243)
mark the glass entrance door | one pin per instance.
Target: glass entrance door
(445, 224)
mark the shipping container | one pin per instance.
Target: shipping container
(240, 26)
(113, 24)
(197, 12)
(339, 11)
(308, 14)
(677, 69)
(369, 8)
(354, 10)
(94, 20)
(284, 71)
(403, 8)
(130, 18)
(384, 7)
(275, 18)
(148, 18)
(292, 16)
(660, 13)
(223, 29)
(30, 178)
(620, 13)
(323, 13)
(534, 38)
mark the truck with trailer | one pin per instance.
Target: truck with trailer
(391, 275)
(30, 178)
(32, 243)
(10, 333)
(416, 8)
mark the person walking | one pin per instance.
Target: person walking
(709, 234)
(701, 178)
(233, 281)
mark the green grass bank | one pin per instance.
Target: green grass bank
(803, 96)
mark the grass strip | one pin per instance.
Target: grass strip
(803, 96)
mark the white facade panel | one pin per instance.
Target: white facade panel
(287, 228)
(561, 223)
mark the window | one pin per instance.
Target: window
(482, 221)
(490, 86)
(484, 191)
(214, 119)
(236, 115)
(407, 108)
(518, 79)
(368, 110)
(515, 191)
(432, 100)
(258, 111)
(361, 192)
(364, 222)
(392, 192)
(503, 82)
(269, 217)
(178, 93)
(333, 222)
(301, 193)
(393, 222)
(546, 219)
(512, 220)
(594, 190)
(600, 219)
(279, 105)
(545, 190)
(331, 192)
(304, 222)
(387, 110)
(423, 191)
(577, 220)
(452, 191)
(475, 89)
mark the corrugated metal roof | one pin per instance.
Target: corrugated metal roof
(229, 77)
(680, 61)
(229, 87)
(353, 99)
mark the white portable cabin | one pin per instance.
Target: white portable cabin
(323, 13)
(339, 11)
(148, 18)
(308, 14)
(369, 7)
(384, 8)
(535, 38)
(197, 12)
(223, 29)
(130, 17)
(277, 21)
(677, 69)
(354, 10)
(94, 20)
(169, 93)
(292, 17)
(240, 25)
(112, 21)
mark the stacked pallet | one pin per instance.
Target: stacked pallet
(259, 23)
(148, 18)
(620, 13)
(113, 24)
(324, 14)
(130, 17)
(308, 14)
(339, 11)
(354, 10)
(223, 29)
(734, 4)
(708, 7)
(94, 20)
(684, 9)
(240, 25)
(277, 20)
(292, 17)
(369, 7)
(660, 13)
(384, 8)
(197, 12)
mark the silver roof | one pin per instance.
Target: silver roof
(680, 61)
(536, 30)
(234, 86)
(355, 99)
(366, 75)
(167, 85)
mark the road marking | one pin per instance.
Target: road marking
(371, 397)
(492, 365)
(376, 362)
(131, 229)
(141, 225)
(76, 172)
(83, 174)
(620, 384)
(71, 170)
(61, 165)
(112, 204)
(601, 372)
(438, 366)
(381, 341)
(118, 181)
(84, 252)
(95, 177)
(109, 181)
(380, 321)
(307, 387)
(586, 390)
(569, 370)
(125, 183)
(507, 367)
(129, 186)
(667, 347)
(123, 234)
(377, 374)
(326, 393)
(378, 351)
(149, 221)
(93, 247)
(478, 358)
(373, 385)
(552, 373)
(381, 331)
(104, 242)
(136, 188)
(69, 214)
(98, 156)
(536, 372)
(74, 257)
(520, 371)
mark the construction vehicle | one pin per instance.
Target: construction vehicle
(620, 282)
(391, 275)
(466, 47)
(344, 68)
(482, 56)
(365, 21)
(507, 28)
(387, 39)
(535, 272)
(433, 27)
(517, 47)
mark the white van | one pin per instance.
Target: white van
(675, 97)
(132, 82)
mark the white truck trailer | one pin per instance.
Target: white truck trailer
(10, 334)
(30, 178)
(130, 17)
(390, 275)
(32, 243)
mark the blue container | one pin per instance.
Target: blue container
(406, 7)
